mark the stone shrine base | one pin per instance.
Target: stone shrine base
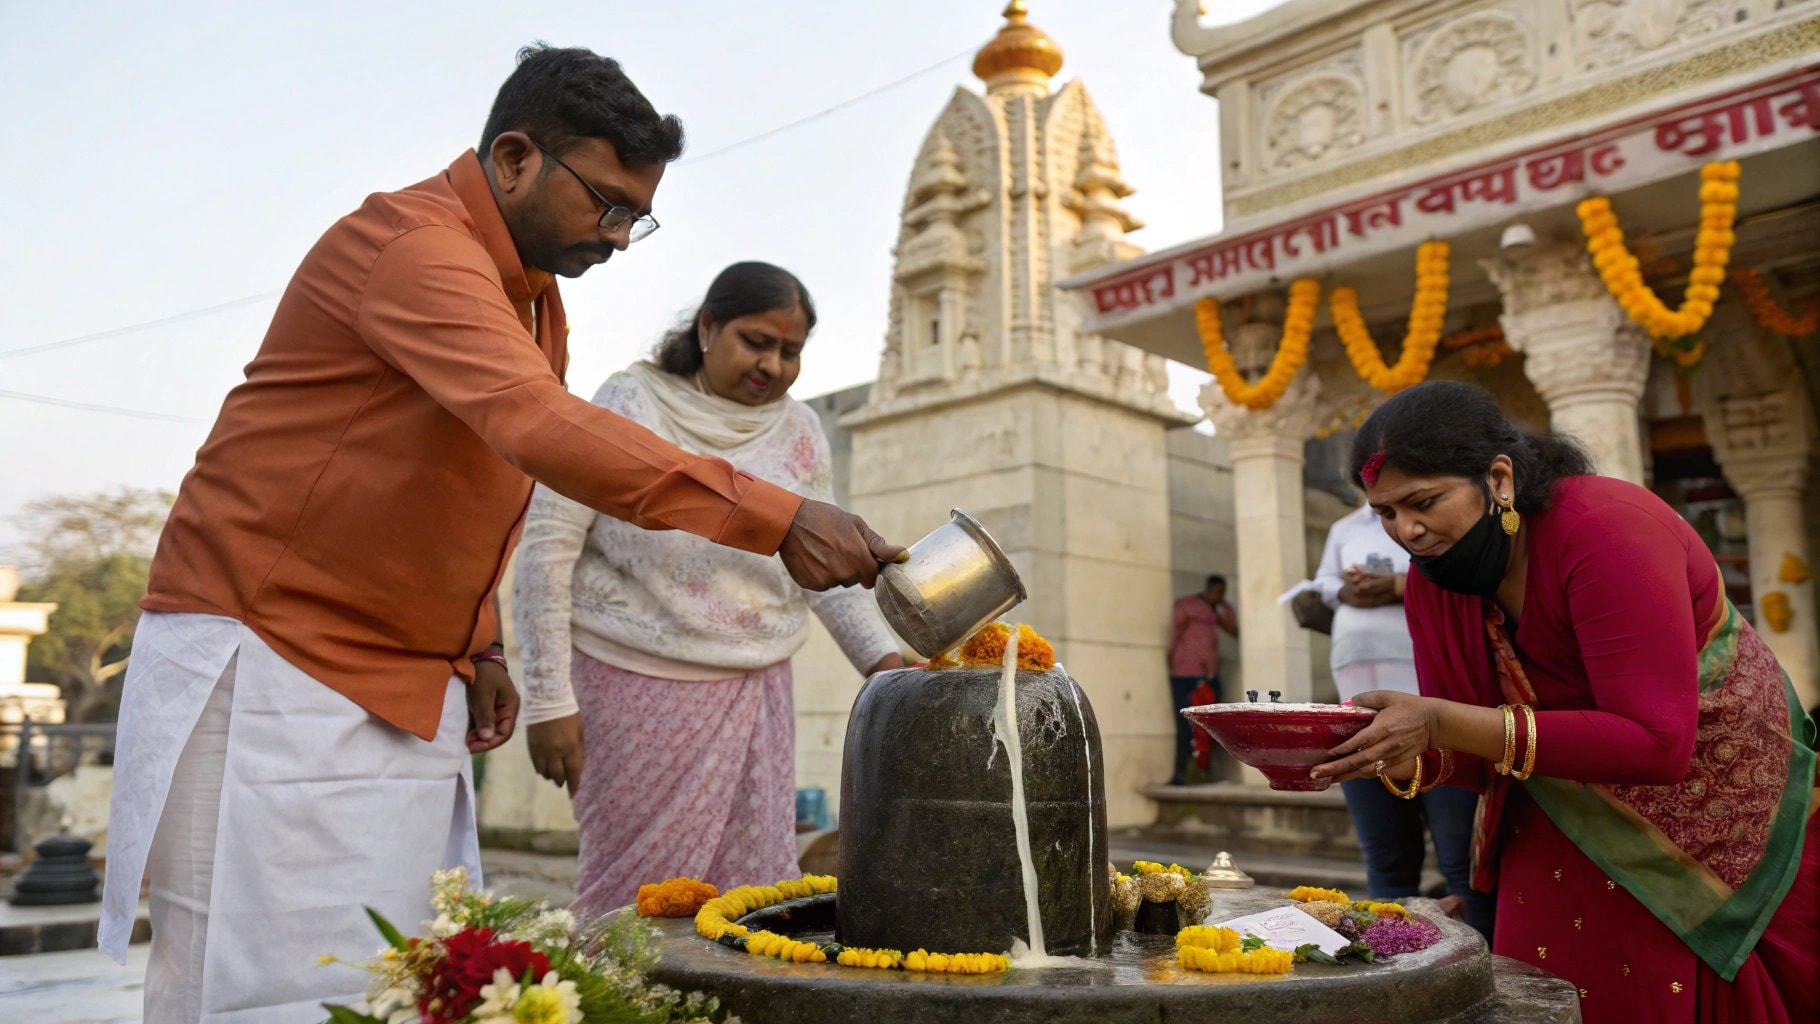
(1456, 981)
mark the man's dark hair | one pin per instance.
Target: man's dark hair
(1215, 581)
(561, 95)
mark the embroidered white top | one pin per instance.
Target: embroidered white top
(669, 604)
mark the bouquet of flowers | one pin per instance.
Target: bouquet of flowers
(493, 960)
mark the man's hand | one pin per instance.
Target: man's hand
(829, 548)
(556, 750)
(1369, 589)
(492, 707)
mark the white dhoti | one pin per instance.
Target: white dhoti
(268, 811)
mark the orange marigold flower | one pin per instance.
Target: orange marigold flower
(675, 897)
(986, 649)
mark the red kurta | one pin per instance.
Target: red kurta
(1620, 595)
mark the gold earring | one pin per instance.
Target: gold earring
(1510, 520)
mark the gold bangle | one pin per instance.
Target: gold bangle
(1510, 740)
(1529, 745)
(1415, 783)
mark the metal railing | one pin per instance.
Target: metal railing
(40, 752)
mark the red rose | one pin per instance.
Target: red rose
(454, 986)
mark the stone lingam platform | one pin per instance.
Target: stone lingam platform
(1455, 981)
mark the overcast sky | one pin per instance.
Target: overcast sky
(179, 156)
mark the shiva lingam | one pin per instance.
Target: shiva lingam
(1281, 740)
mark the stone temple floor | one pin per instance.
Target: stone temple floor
(76, 987)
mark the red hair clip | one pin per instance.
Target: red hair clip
(1369, 471)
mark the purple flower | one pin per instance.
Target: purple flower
(1391, 936)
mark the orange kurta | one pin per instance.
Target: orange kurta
(359, 494)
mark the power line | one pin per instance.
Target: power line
(249, 299)
(114, 332)
(799, 122)
(64, 403)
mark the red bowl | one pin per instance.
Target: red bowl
(1281, 740)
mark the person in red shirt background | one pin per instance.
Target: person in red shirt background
(1194, 659)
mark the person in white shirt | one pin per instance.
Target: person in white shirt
(1361, 579)
(656, 666)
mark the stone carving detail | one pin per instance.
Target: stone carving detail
(1292, 417)
(1569, 352)
(1009, 191)
(1550, 277)
(1473, 62)
(1573, 335)
(1608, 32)
(1320, 116)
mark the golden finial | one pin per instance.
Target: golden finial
(1020, 53)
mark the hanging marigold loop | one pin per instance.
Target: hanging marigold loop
(1426, 312)
(1765, 311)
(1291, 356)
(1623, 276)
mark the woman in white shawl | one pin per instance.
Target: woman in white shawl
(656, 672)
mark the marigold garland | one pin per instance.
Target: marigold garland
(1623, 275)
(1764, 310)
(1291, 355)
(1426, 313)
(1312, 894)
(715, 922)
(674, 897)
(1222, 951)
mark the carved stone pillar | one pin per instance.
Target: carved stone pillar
(1585, 357)
(1764, 444)
(1267, 460)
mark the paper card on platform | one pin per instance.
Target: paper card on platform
(1286, 928)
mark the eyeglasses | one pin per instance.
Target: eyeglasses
(614, 216)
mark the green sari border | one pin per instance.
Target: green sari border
(1720, 929)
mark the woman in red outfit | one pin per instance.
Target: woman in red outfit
(1647, 772)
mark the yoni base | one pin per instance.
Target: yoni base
(1455, 981)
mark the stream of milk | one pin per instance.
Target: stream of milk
(1005, 724)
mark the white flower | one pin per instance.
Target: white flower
(550, 929)
(396, 1005)
(443, 927)
(497, 999)
(447, 888)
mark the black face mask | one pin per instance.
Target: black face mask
(1474, 565)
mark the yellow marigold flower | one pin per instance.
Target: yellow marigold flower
(1212, 937)
(1395, 910)
(938, 961)
(1309, 893)
(916, 960)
